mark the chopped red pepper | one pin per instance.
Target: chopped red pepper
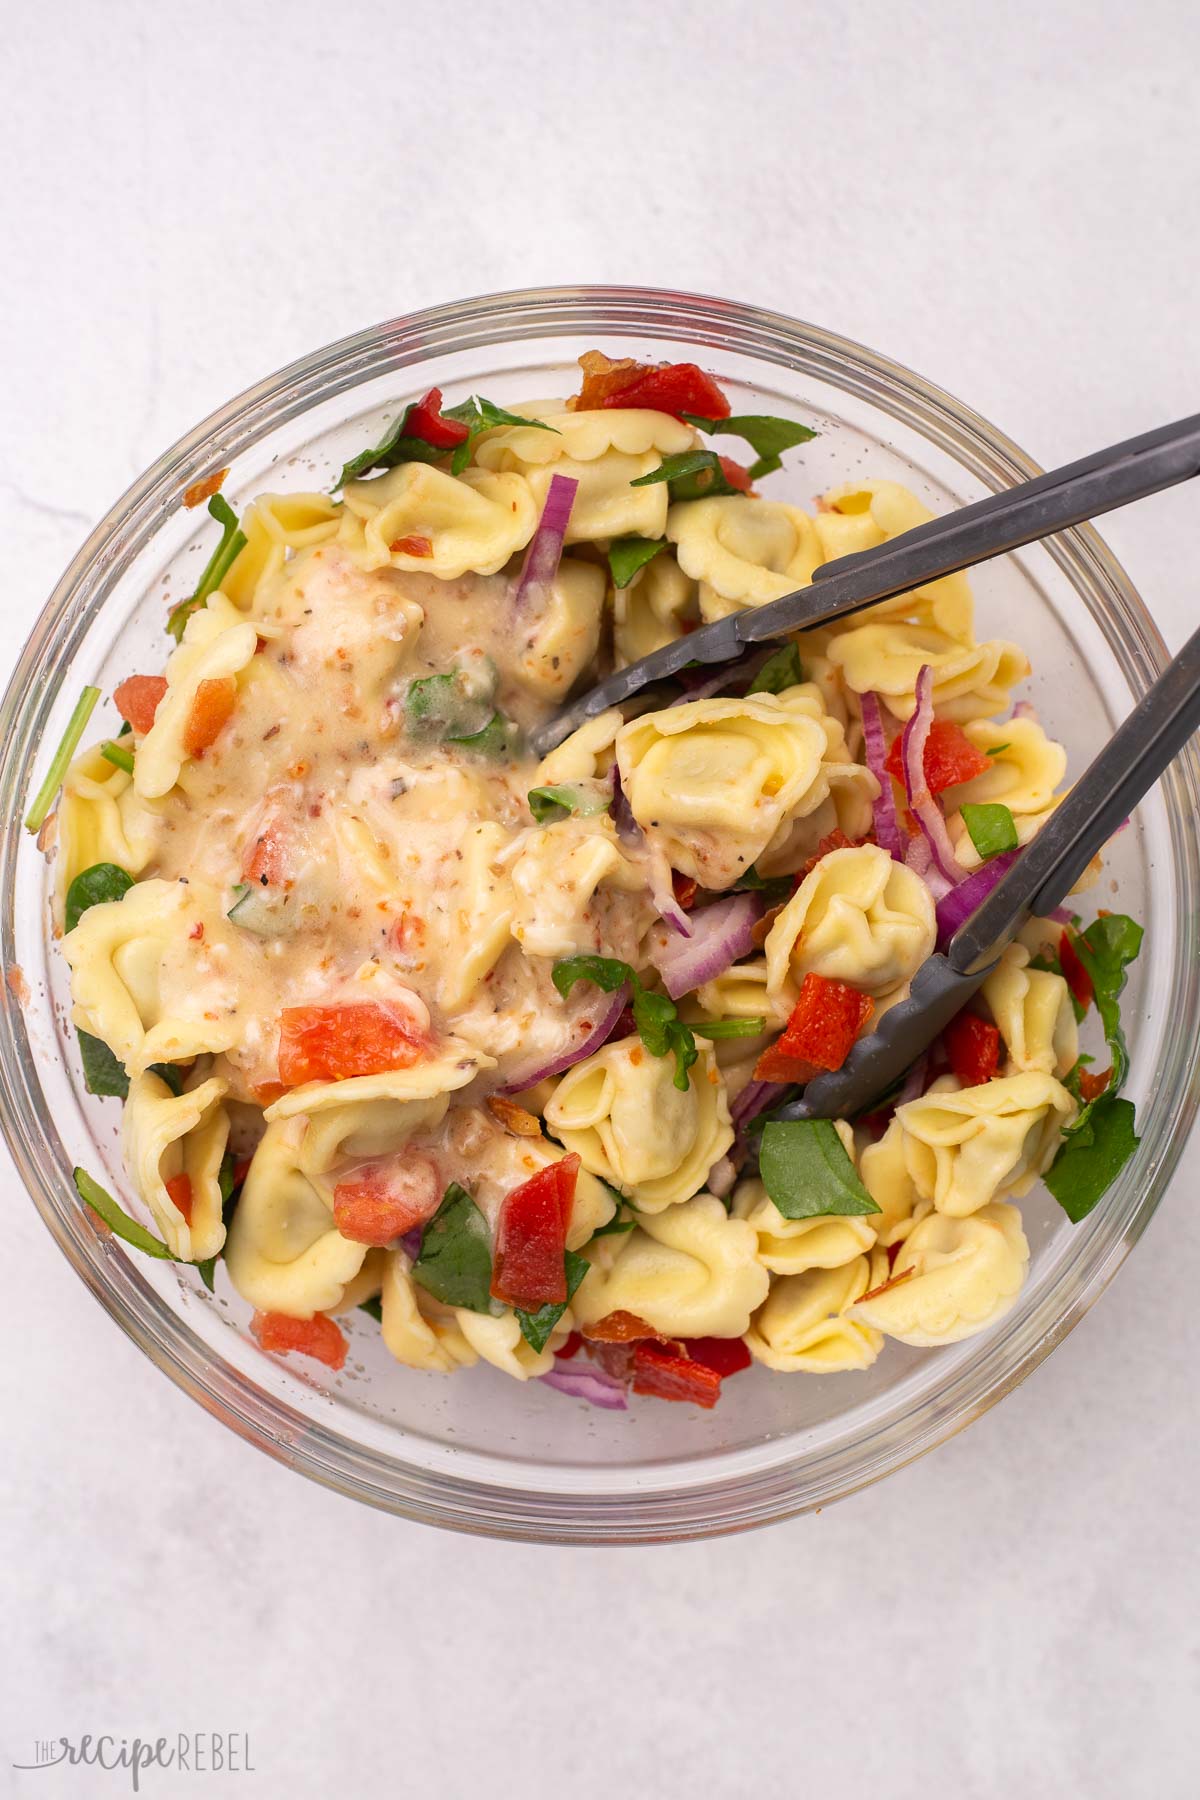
(383, 1201)
(950, 757)
(531, 1236)
(179, 1189)
(973, 1047)
(137, 698)
(424, 420)
(214, 702)
(332, 1043)
(1092, 1086)
(825, 1021)
(618, 1328)
(412, 546)
(318, 1337)
(656, 1371)
(734, 473)
(728, 1356)
(571, 1346)
(1077, 977)
(674, 388)
(684, 889)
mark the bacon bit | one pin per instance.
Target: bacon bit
(728, 1356)
(825, 1021)
(950, 757)
(137, 700)
(891, 1282)
(684, 889)
(973, 1046)
(531, 1235)
(570, 1347)
(1074, 972)
(214, 702)
(179, 1192)
(1092, 1086)
(18, 987)
(834, 840)
(514, 1118)
(200, 491)
(317, 1337)
(379, 1204)
(760, 931)
(666, 1377)
(734, 473)
(333, 1043)
(412, 546)
(197, 931)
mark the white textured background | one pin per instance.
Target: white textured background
(1004, 198)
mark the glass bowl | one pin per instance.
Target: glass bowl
(479, 1452)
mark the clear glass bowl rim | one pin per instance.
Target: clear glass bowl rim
(691, 1503)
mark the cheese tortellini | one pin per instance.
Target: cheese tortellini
(967, 1146)
(691, 1271)
(275, 525)
(859, 917)
(864, 514)
(1033, 1010)
(283, 1252)
(217, 644)
(167, 1137)
(790, 1246)
(418, 518)
(655, 609)
(621, 1112)
(743, 552)
(806, 1323)
(100, 820)
(970, 681)
(953, 1277)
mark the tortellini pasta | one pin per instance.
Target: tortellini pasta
(967, 1146)
(806, 1323)
(953, 1277)
(418, 1330)
(859, 917)
(970, 681)
(621, 1112)
(558, 875)
(714, 781)
(283, 1252)
(166, 1136)
(863, 514)
(790, 1246)
(100, 820)
(586, 754)
(884, 1170)
(743, 552)
(1033, 1010)
(691, 1271)
(418, 518)
(498, 1341)
(217, 644)
(562, 642)
(1027, 767)
(274, 525)
(653, 610)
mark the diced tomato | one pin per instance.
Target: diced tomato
(383, 1201)
(571, 1346)
(726, 1355)
(137, 698)
(973, 1047)
(1092, 1086)
(950, 757)
(531, 1236)
(318, 1337)
(424, 420)
(825, 1021)
(265, 861)
(179, 1189)
(412, 546)
(737, 476)
(684, 889)
(656, 1371)
(209, 715)
(618, 1328)
(674, 388)
(1077, 977)
(333, 1043)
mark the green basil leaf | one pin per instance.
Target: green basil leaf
(618, 1223)
(93, 887)
(606, 971)
(729, 1028)
(991, 828)
(233, 542)
(374, 1307)
(103, 1074)
(479, 415)
(120, 759)
(118, 1220)
(1089, 1162)
(455, 1264)
(550, 804)
(536, 1327)
(627, 555)
(781, 671)
(775, 889)
(442, 707)
(43, 800)
(1106, 949)
(807, 1173)
(173, 1079)
(692, 475)
(662, 1030)
(497, 738)
(766, 435)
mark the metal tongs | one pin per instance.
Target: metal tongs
(1046, 870)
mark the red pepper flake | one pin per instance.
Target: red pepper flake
(413, 545)
(666, 1377)
(317, 1337)
(200, 491)
(973, 1047)
(531, 1237)
(1076, 975)
(950, 757)
(825, 1021)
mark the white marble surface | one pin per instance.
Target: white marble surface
(1004, 198)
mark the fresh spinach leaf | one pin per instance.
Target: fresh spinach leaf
(692, 475)
(1090, 1161)
(780, 671)
(767, 435)
(118, 1220)
(626, 555)
(455, 1263)
(103, 1074)
(550, 804)
(537, 1326)
(233, 542)
(93, 887)
(807, 1173)
(374, 1307)
(43, 800)
(479, 415)
(655, 1015)
(991, 828)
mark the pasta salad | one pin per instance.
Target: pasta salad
(405, 1020)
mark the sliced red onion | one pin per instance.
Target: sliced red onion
(545, 547)
(962, 900)
(600, 1031)
(584, 1381)
(721, 1177)
(627, 827)
(735, 677)
(410, 1243)
(888, 834)
(924, 807)
(1024, 709)
(756, 1097)
(919, 858)
(721, 933)
(662, 892)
